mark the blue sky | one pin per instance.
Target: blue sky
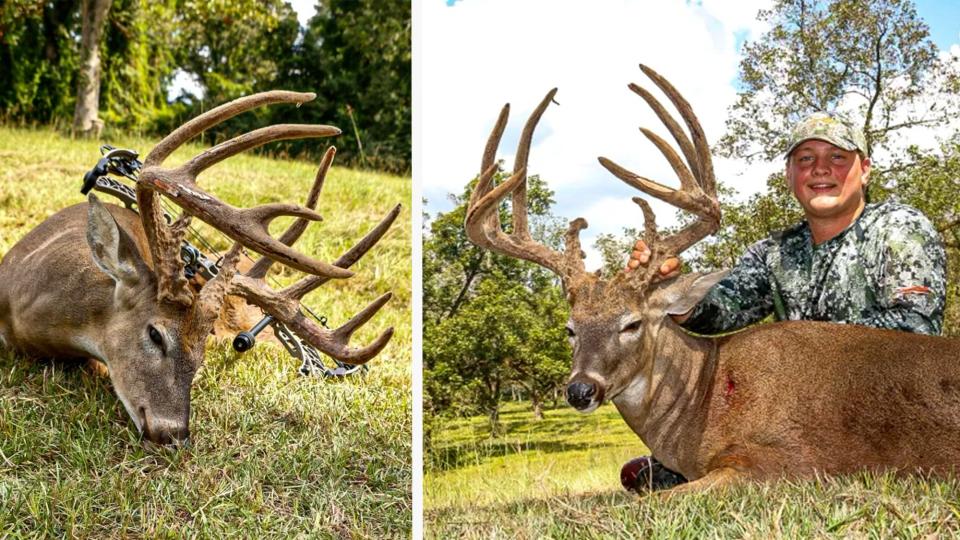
(475, 55)
(943, 17)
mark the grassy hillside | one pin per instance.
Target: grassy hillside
(273, 454)
(559, 478)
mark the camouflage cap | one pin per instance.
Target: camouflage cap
(831, 128)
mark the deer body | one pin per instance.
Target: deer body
(56, 302)
(779, 399)
(104, 282)
(791, 398)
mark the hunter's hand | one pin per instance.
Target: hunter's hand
(640, 256)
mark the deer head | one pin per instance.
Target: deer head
(159, 321)
(613, 321)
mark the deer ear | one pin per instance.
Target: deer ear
(112, 250)
(689, 298)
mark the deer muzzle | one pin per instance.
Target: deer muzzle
(584, 396)
(165, 432)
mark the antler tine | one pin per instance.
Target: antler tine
(489, 167)
(521, 227)
(689, 152)
(706, 176)
(652, 239)
(218, 114)
(164, 242)
(207, 306)
(688, 183)
(697, 193)
(681, 199)
(285, 308)
(300, 289)
(482, 223)
(297, 228)
(650, 234)
(493, 141)
(254, 139)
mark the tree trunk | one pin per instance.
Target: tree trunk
(494, 417)
(537, 407)
(85, 120)
(493, 405)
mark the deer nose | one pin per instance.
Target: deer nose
(580, 394)
(169, 434)
(179, 438)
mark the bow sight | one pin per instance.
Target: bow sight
(123, 162)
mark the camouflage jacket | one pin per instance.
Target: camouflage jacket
(886, 270)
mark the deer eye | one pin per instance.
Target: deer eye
(632, 326)
(156, 338)
(570, 333)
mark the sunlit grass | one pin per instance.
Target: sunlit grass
(565, 453)
(274, 454)
(558, 478)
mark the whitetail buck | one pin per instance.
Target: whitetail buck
(100, 281)
(782, 399)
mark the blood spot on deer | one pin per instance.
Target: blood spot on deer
(730, 388)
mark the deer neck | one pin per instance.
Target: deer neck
(666, 403)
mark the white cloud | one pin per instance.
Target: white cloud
(477, 55)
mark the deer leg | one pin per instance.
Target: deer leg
(716, 479)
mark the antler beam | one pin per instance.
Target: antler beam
(482, 222)
(249, 228)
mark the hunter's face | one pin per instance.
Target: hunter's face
(828, 181)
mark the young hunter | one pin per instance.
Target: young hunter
(849, 261)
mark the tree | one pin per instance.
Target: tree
(356, 54)
(490, 322)
(874, 59)
(38, 59)
(138, 62)
(234, 47)
(85, 118)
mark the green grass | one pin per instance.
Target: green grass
(273, 454)
(566, 452)
(559, 478)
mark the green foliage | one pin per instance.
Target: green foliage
(38, 59)
(614, 250)
(354, 54)
(233, 47)
(137, 59)
(874, 58)
(491, 323)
